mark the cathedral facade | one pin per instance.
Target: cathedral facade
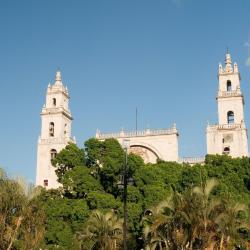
(229, 136)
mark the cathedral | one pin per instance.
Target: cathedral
(229, 136)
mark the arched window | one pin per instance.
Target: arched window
(230, 117)
(51, 129)
(53, 154)
(229, 85)
(54, 101)
(226, 150)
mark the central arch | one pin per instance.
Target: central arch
(146, 151)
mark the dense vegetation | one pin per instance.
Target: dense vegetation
(170, 205)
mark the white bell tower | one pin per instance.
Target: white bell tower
(55, 132)
(229, 136)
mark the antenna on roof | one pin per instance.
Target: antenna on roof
(136, 117)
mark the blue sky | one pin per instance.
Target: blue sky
(159, 56)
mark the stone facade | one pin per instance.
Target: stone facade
(149, 144)
(55, 132)
(229, 136)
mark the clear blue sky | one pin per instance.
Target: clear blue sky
(158, 55)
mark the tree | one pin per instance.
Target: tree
(156, 222)
(231, 224)
(21, 217)
(68, 158)
(64, 218)
(102, 232)
(78, 182)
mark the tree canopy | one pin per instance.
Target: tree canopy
(170, 205)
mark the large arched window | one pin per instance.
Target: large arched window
(53, 154)
(229, 85)
(230, 117)
(51, 129)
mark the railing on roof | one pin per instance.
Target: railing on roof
(229, 93)
(146, 132)
(227, 126)
(192, 160)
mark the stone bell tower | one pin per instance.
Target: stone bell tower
(55, 131)
(229, 136)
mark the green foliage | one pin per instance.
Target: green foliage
(102, 231)
(112, 160)
(21, 215)
(94, 151)
(78, 182)
(106, 160)
(233, 176)
(90, 179)
(102, 201)
(69, 157)
(196, 220)
(64, 218)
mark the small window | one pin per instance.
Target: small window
(230, 117)
(229, 85)
(45, 183)
(51, 129)
(226, 150)
(53, 154)
(54, 102)
(65, 128)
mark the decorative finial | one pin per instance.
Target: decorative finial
(58, 79)
(236, 70)
(220, 68)
(228, 63)
(58, 76)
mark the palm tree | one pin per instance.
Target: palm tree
(11, 205)
(229, 222)
(209, 210)
(16, 199)
(165, 225)
(195, 220)
(102, 232)
(155, 225)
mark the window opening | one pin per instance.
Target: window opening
(45, 183)
(54, 101)
(53, 154)
(51, 129)
(65, 128)
(226, 150)
(230, 117)
(229, 85)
